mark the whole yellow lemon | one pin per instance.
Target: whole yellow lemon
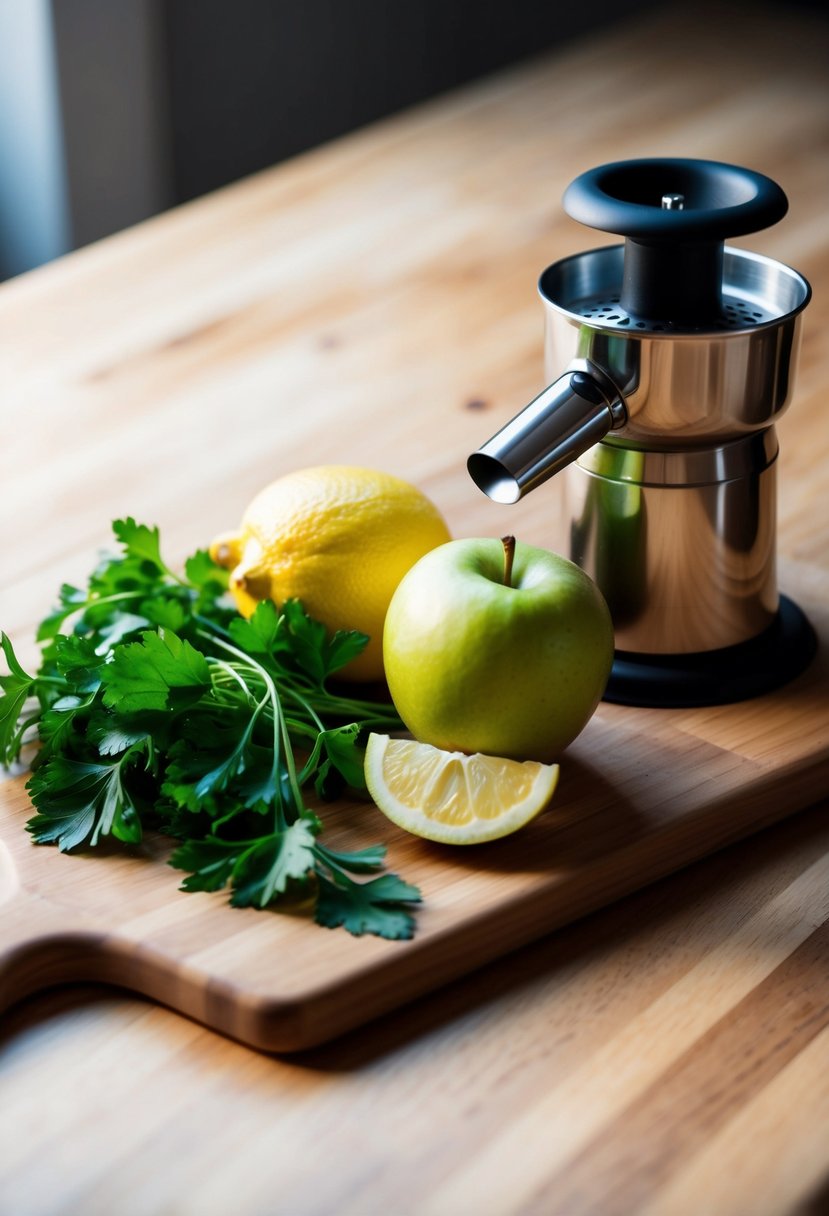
(337, 537)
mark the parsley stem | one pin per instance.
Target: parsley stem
(95, 600)
(289, 754)
(351, 710)
(280, 731)
(18, 739)
(298, 699)
(219, 630)
(234, 675)
(258, 705)
(354, 707)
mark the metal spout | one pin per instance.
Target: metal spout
(570, 416)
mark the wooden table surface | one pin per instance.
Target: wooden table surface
(374, 302)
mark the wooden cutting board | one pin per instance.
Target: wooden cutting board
(642, 793)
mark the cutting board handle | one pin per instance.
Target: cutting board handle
(44, 944)
(34, 936)
(41, 944)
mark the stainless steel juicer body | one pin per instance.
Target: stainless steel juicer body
(674, 512)
(660, 421)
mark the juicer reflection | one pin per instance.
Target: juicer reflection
(679, 354)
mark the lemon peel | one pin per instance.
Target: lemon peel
(339, 538)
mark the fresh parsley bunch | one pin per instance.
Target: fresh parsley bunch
(163, 708)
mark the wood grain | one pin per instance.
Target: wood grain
(640, 796)
(374, 301)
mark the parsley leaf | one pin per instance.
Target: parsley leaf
(266, 869)
(17, 687)
(257, 871)
(210, 862)
(217, 763)
(160, 672)
(360, 861)
(71, 599)
(164, 611)
(79, 663)
(202, 572)
(316, 653)
(61, 727)
(112, 740)
(79, 802)
(381, 906)
(209, 582)
(260, 633)
(157, 705)
(336, 761)
(377, 906)
(139, 541)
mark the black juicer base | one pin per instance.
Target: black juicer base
(716, 677)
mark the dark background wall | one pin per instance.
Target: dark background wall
(113, 110)
(254, 81)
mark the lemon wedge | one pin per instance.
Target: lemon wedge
(451, 797)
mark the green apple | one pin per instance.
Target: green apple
(496, 647)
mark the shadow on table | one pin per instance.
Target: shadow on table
(696, 899)
(766, 862)
(587, 819)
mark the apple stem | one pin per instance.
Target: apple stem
(509, 553)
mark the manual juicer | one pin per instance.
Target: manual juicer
(678, 355)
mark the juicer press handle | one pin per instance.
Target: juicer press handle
(568, 417)
(675, 214)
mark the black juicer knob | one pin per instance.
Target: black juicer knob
(675, 215)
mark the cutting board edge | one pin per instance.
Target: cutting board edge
(58, 957)
(319, 1017)
(301, 1021)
